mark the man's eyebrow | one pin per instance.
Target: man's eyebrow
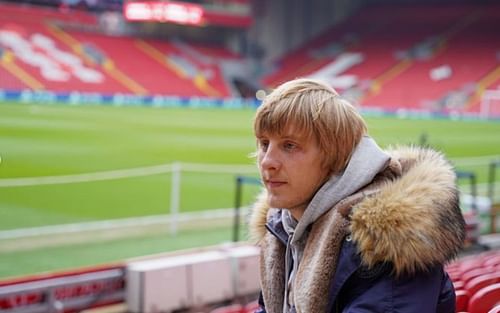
(294, 137)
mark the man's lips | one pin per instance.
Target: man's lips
(271, 183)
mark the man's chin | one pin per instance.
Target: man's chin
(275, 202)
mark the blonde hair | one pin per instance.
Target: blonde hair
(317, 110)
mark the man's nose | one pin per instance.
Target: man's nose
(270, 159)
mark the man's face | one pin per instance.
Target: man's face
(291, 169)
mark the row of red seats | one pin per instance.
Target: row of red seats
(476, 280)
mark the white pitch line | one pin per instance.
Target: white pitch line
(124, 173)
(117, 223)
(217, 168)
(85, 177)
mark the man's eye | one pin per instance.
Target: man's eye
(290, 146)
(263, 145)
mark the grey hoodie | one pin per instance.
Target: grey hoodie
(366, 162)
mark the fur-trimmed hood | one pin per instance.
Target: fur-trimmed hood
(408, 216)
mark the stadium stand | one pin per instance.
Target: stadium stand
(79, 59)
(405, 57)
(376, 57)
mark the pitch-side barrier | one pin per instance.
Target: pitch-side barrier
(182, 280)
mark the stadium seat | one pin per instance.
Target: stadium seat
(479, 282)
(252, 307)
(471, 274)
(496, 309)
(492, 260)
(462, 300)
(485, 299)
(458, 285)
(455, 273)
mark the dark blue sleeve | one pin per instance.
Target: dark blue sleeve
(262, 308)
(423, 292)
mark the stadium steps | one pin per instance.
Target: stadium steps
(320, 51)
(30, 76)
(207, 59)
(13, 77)
(221, 62)
(379, 82)
(109, 65)
(491, 79)
(190, 74)
(144, 70)
(42, 21)
(426, 46)
(450, 52)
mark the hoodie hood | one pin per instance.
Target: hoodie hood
(366, 161)
(411, 217)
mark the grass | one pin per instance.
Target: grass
(51, 140)
(59, 140)
(72, 256)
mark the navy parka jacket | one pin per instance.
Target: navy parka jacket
(356, 289)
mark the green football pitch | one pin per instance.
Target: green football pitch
(111, 158)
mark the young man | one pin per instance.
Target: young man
(344, 226)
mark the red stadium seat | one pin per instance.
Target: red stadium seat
(492, 260)
(462, 300)
(455, 275)
(496, 309)
(485, 299)
(479, 282)
(458, 285)
(471, 264)
(252, 307)
(471, 274)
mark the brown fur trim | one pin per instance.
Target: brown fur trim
(258, 218)
(315, 271)
(414, 222)
(319, 262)
(272, 273)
